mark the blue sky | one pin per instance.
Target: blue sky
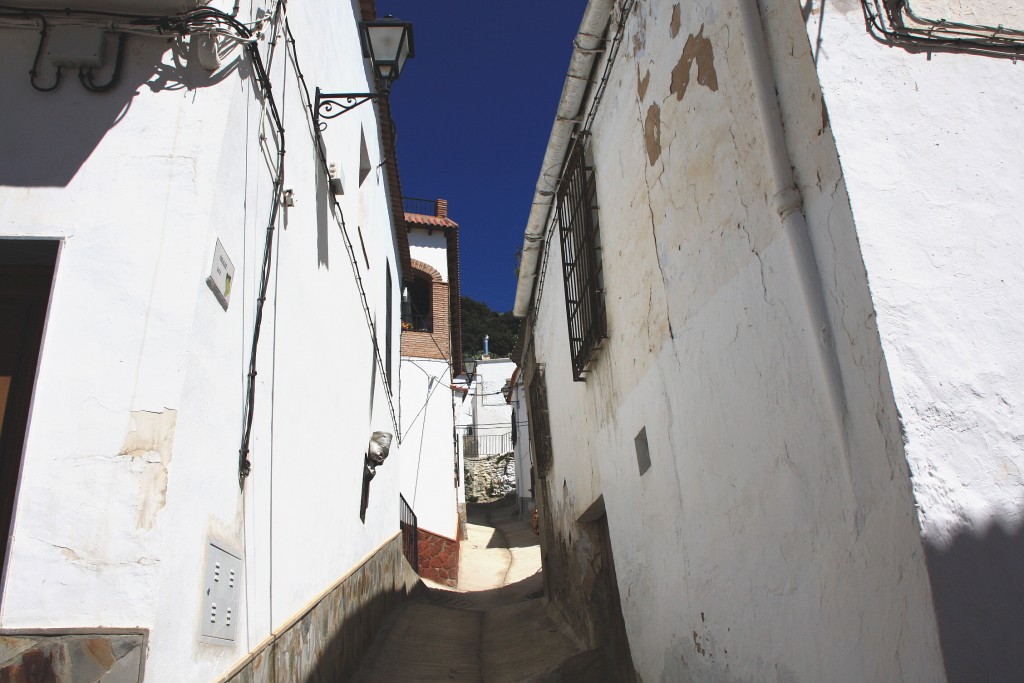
(473, 110)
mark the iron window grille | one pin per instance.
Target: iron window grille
(579, 234)
(537, 395)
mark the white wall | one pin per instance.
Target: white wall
(932, 153)
(428, 464)
(431, 247)
(486, 407)
(523, 454)
(130, 465)
(787, 544)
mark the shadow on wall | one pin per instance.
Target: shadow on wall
(48, 136)
(978, 590)
(329, 640)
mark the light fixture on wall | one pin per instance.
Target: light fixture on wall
(387, 43)
(470, 364)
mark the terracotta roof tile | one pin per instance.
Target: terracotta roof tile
(433, 221)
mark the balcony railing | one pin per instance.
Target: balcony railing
(424, 207)
(410, 533)
(483, 445)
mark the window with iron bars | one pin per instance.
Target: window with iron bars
(579, 234)
(537, 394)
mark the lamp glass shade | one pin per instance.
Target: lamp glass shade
(470, 364)
(388, 43)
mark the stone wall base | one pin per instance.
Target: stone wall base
(69, 656)
(327, 641)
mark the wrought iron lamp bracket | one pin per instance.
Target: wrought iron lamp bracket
(332, 105)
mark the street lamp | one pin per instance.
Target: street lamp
(387, 43)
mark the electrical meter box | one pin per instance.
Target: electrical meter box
(222, 584)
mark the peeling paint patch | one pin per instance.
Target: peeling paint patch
(151, 442)
(642, 83)
(652, 133)
(697, 49)
(673, 28)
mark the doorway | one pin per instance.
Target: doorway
(26, 274)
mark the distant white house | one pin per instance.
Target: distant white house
(431, 357)
(484, 422)
(200, 311)
(772, 282)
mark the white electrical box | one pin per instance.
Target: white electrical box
(222, 274)
(222, 584)
(76, 46)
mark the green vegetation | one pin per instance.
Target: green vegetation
(477, 320)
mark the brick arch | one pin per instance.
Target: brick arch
(427, 269)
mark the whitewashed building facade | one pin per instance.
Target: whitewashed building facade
(788, 247)
(182, 225)
(525, 478)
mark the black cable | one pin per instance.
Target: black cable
(34, 71)
(889, 27)
(85, 74)
(244, 464)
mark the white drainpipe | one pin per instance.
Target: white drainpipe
(589, 38)
(789, 205)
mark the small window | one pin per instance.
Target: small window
(538, 403)
(581, 257)
(364, 157)
(418, 311)
(643, 451)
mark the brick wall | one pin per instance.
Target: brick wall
(439, 558)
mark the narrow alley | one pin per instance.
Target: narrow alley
(496, 626)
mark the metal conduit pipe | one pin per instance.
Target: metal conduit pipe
(589, 40)
(789, 205)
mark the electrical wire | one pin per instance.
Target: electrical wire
(270, 104)
(85, 74)
(34, 73)
(887, 22)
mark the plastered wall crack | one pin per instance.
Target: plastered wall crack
(94, 564)
(652, 141)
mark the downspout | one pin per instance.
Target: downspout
(789, 205)
(589, 40)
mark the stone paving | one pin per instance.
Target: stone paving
(495, 626)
